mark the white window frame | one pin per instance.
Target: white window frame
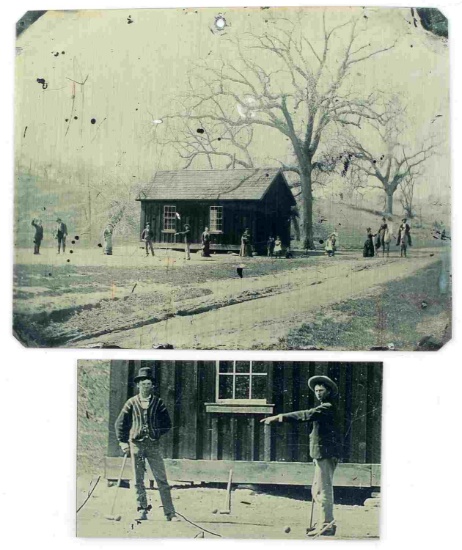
(216, 228)
(235, 374)
(168, 217)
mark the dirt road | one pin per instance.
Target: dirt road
(255, 313)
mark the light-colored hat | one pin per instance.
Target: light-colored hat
(325, 381)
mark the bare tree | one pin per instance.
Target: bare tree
(213, 143)
(407, 195)
(298, 88)
(379, 159)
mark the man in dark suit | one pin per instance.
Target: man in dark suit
(406, 229)
(143, 420)
(37, 224)
(61, 234)
(187, 241)
(324, 449)
(147, 236)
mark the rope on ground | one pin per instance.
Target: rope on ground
(198, 526)
(90, 492)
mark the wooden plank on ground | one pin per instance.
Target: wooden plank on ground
(279, 473)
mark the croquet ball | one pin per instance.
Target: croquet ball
(215, 511)
(118, 518)
(286, 529)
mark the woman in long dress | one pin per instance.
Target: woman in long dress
(107, 234)
(206, 238)
(385, 232)
(278, 247)
(368, 250)
(246, 246)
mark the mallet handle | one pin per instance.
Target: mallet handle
(119, 482)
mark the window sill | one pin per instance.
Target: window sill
(168, 231)
(239, 408)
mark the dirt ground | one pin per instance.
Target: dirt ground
(253, 515)
(85, 299)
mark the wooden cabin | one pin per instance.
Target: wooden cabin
(225, 201)
(216, 408)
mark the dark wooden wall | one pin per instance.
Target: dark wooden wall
(269, 216)
(274, 216)
(186, 386)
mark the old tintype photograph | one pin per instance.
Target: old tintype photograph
(239, 178)
(229, 449)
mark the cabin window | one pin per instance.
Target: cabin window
(241, 381)
(170, 218)
(216, 219)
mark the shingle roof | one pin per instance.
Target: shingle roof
(210, 184)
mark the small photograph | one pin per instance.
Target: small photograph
(229, 449)
(251, 178)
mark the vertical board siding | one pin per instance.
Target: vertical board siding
(186, 387)
(118, 394)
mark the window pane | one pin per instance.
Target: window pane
(242, 366)
(216, 218)
(259, 387)
(169, 217)
(259, 366)
(225, 366)
(242, 387)
(225, 387)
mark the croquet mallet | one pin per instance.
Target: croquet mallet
(227, 508)
(111, 516)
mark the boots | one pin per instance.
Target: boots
(142, 514)
(326, 530)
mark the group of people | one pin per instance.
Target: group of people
(383, 237)
(148, 236)
(144, 419)
(331, 244)
(60, 233)
(274, 247)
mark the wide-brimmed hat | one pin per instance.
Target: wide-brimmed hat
(143, 374)
(325, 381)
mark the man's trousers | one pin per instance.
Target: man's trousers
(150, 450)
(322, 489)
(61, 242)
(149, 244)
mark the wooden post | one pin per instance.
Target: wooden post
(252, 438)
(267, 443)
(233, 437)
(214, 445)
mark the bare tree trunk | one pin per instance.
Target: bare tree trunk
(307, 194)
(390, 202)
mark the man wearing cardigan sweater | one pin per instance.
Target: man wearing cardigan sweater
(324, 450)
(143, 420)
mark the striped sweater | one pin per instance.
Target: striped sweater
(129, 423)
